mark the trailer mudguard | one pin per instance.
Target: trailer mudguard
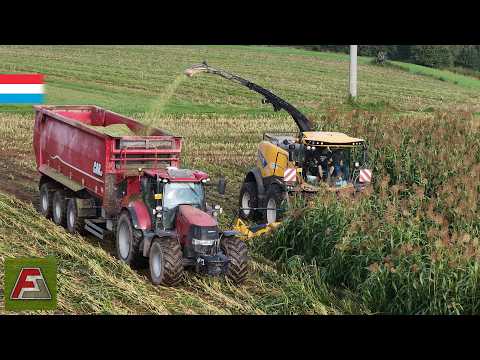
(254, 175)
(140, 215)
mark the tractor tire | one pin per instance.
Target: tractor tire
(276, 199)
(166, 262)
(237, 252)
(46, 200)
(59, 208)
(75, 224)
(125, 246)
(248, 199)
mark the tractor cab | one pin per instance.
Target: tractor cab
(165, 190)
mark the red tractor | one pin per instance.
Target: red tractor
(130, 186)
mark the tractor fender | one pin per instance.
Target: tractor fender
(140, 215)
(148, 237)
(254, 175)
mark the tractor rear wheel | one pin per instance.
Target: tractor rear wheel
(166, 262)
(237, 252)
(125, 243)
(46, 200)
(75, 224)
(59, 208)
(276, 202)
(248, 199)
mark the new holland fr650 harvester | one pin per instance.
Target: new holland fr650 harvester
(295, 163)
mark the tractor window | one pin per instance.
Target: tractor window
(148, 190)
(183, 193)
(176, 194)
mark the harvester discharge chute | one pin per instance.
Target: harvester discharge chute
(299, 163)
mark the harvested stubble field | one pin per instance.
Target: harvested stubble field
(408, 247)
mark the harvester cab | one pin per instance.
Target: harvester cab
(295, 163)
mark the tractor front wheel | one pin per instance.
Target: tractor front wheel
(237, 252)
(165, 260)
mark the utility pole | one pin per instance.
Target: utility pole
(353, 71)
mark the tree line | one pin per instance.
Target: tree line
(437, 56)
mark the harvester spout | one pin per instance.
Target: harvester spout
(197, 68)
(301, 120)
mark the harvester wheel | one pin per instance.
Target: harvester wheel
(276, 205)
(125, 245)
(166, 264)
(248, 199)
(75, 224)
(59, 208)
(46, 200)
(237, 252)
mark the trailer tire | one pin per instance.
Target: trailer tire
(46, 200)
(248, 199)
(237, 252)
(75, 224)
(125, 246)
(59, 208)
(166, 262)
(276, 198)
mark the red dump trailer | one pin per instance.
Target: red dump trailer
(108, 174)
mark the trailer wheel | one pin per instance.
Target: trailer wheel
(276, 202)
(237, 252)
(59, 208)
(46, 200)
(125, 245)
(248, 199)
(166, 264)
(75, 224)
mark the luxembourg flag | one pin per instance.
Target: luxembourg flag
(21, 89)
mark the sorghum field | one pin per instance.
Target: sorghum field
(409, 246)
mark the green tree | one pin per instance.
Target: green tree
(437, 56)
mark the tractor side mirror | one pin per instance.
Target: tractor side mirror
(222, 185)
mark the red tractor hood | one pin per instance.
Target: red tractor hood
(196, 216)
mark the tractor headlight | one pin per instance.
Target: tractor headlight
(204, 238)
(200, 242)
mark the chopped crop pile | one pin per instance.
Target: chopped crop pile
(116, 130)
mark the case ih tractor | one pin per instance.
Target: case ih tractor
(295, 163)
(130, 187)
